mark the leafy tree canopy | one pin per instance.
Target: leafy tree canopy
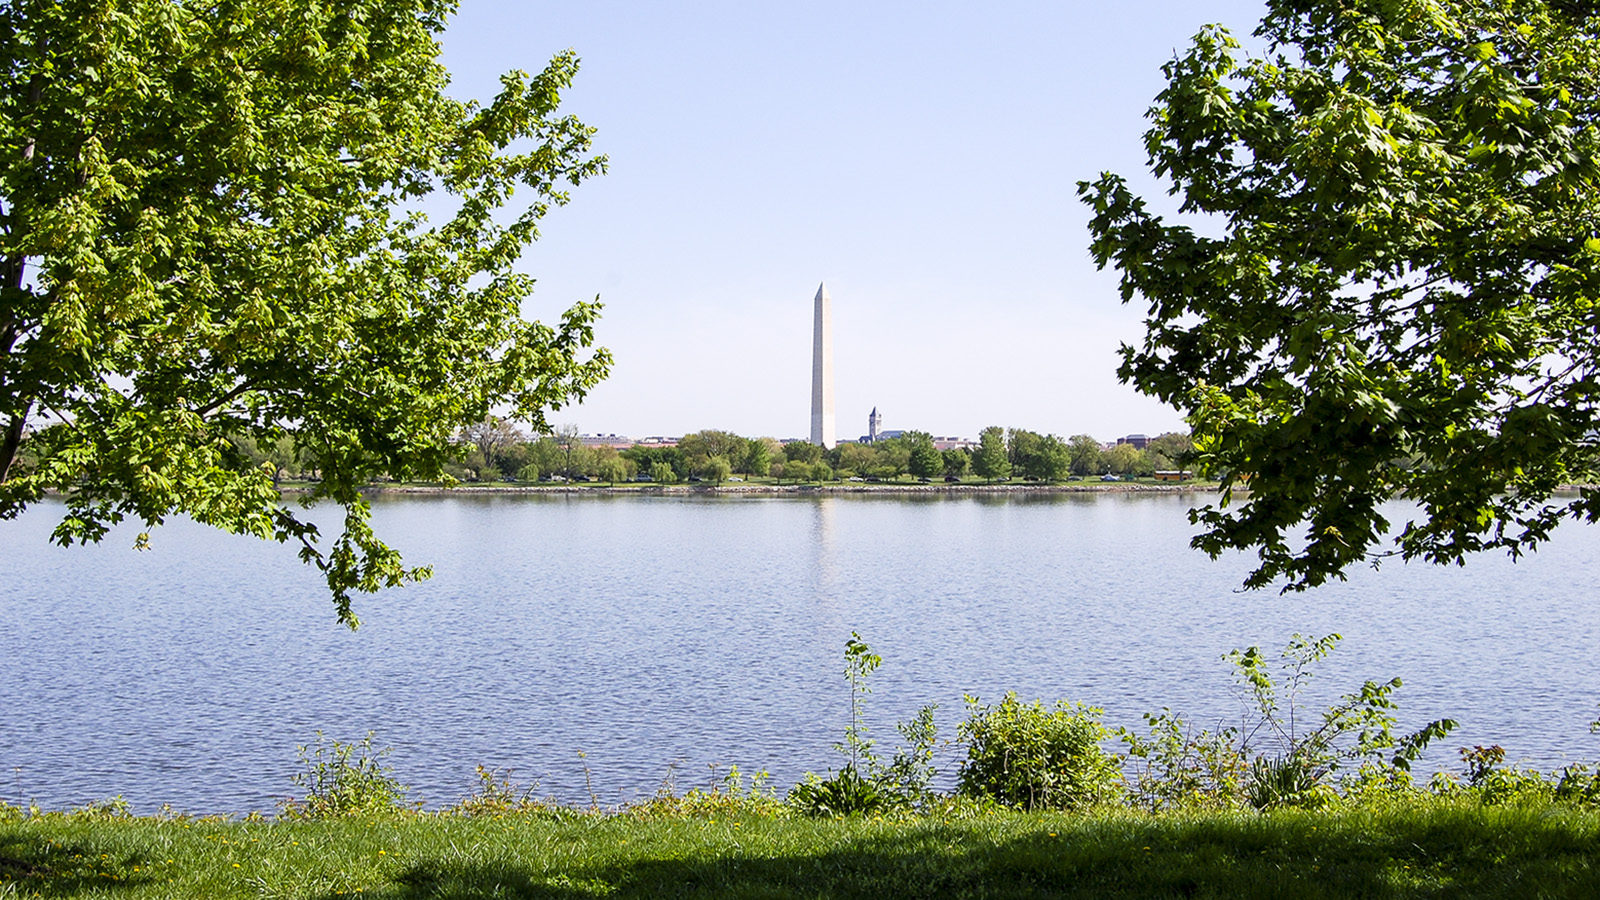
(990, 461)
(647, 458)
(924, 460)
(211, 227)
(494, 438)
(802, 451)
(957, 461)
(1036, 456)
(1389, 286)
(1086, 456)
(700, 447)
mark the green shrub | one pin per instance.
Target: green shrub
(910, 774)
(1031, 756)
(1493, 784)
(1174, 766)
(1291, 780)
(844, 793)
(1578, 784)
(343, 779)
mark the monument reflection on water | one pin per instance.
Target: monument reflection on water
(683, 631)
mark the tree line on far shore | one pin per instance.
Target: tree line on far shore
(496, 450)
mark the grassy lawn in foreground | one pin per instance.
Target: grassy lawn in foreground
(1422, 849)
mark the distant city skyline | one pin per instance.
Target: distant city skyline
(920, 158)
(628, 438)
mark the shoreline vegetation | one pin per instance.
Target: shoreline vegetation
(1326, 808)
(747, 488)
(496, 453)
(810, 489)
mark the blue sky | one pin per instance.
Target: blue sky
(920, 158)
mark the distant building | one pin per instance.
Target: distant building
(656, 441)
(1139, 441)
(875, 433)
(616, 441)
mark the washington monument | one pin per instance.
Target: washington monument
(822, 373)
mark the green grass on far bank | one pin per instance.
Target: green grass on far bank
(1422, 848)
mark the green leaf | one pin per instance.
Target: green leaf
(210, 245)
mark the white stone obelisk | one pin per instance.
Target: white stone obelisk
(822, 432)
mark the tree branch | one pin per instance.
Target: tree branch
(15, 267)
(12, 441)
(214, 405)
(35, 94)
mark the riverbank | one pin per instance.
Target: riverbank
(887, 489)
(1422, 849)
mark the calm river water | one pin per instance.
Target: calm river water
(657, 633)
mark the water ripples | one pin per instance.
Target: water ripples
(677, 632)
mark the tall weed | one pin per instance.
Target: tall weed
(865, 783)
(496, 795)
(1282, 754)
(1297, 761)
